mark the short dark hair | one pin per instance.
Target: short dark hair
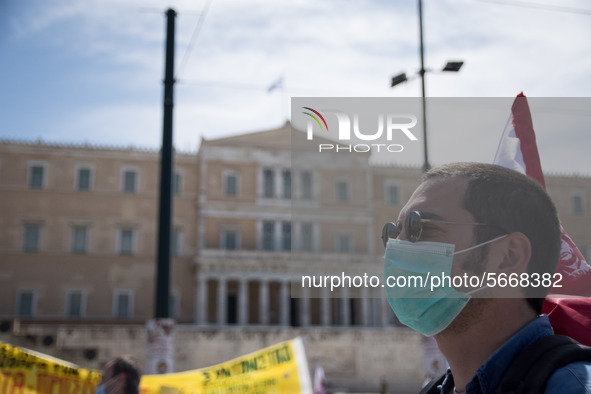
(129, 367)
(510, 202)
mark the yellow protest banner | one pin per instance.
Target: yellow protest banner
(282, 368)
(24, 371)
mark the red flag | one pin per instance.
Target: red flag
(518, 150)
(570, 316)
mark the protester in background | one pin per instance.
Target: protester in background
(473, 218)
(121, 375)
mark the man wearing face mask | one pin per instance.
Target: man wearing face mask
(478, 220)
(121, 375)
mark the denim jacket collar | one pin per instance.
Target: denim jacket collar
(489, 375)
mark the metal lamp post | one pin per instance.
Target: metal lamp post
(453, 66)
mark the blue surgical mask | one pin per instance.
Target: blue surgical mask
(102, 388)
(428, 312)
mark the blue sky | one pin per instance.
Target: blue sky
(90, 71)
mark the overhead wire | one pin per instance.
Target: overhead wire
(547, 7)
(194, 36)
(215, 84)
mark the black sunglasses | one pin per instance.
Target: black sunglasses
(413, 227)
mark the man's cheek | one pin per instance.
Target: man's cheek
(467, 272)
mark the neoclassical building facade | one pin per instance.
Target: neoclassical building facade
(78, 231)
(251, 217)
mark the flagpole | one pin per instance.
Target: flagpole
(426, 165)
(284, 102)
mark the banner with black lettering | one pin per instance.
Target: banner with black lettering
(282, 368)
(25, 371)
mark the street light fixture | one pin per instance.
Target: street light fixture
(398, 79)
(453, 66)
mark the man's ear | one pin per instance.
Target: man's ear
(508, 258)
(516, 254)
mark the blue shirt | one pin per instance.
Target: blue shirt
(574, 378)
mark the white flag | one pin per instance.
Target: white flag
(319, 382)
(278, 84)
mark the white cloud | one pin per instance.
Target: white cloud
(330, 48)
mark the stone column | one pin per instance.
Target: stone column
(305, 307)
(243, 303)
(222, 304)
(201, 304)
(264, 302)
(385, 309)
(365, 304)
(345, 315)
(284, 304)
(376, 312)
(325, 308)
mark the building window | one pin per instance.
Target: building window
(126, 241)
(84, 179)
(26, 303)
(75, 303)
(307, 237)
(578, 203)
(37, 176)
(32, 238)
(286, 183)
(286, 236)
(307, 191)
(230, 240)
(177, 183)
(342, 191)
(79, 239)
(123, 304)
(268, 235)
(177, 242)
(392, 194)
(343, 244)
(129, 181)
(230, 184)
(268, 183)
